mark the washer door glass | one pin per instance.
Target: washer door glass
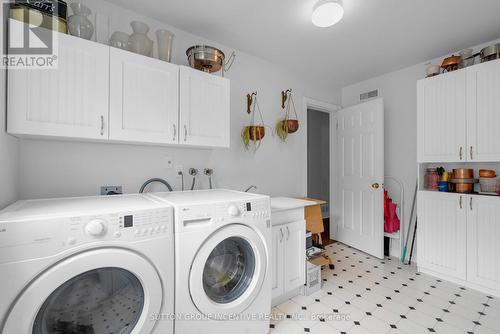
(229, 270)
(104, 300)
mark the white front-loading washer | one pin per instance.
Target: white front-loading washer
(222, 242)
(88, 265)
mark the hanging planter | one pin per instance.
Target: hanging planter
(286, 125)
(252, 135)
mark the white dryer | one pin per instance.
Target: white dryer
(87, 265)
(222, 243)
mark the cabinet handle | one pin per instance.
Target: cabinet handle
(185, 132)
(471, 155)
(287, 233)
(460, 201)
(102, 125)
(461, 152)
(470, 204)
(175, 132)
(282, 235)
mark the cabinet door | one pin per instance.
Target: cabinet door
(277, 261)
(143, 99)
(70, 101)
(441, 118)
(204, 108)
(441, 238)
(483, 246)
(295, 249)
(483, 112)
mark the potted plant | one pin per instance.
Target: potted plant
(286, 125)
(252, 135)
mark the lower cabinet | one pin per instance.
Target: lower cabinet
(483, 241)
(288, 257)
(441, 239)
(458, 238)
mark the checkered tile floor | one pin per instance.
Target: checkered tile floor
(368, 295)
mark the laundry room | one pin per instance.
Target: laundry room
(320, 166)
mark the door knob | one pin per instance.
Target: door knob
(376, 185)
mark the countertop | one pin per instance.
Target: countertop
(288, 203)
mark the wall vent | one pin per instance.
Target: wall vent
(368, 95)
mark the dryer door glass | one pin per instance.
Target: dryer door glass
(229, 270)
(104, 300)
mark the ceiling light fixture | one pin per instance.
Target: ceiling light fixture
(327, 13)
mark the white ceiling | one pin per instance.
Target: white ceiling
(375, 36)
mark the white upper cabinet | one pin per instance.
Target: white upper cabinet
(483, 246)
(70, 101)
(441, 119)
(204, 109)
(144, 95)
(483, 112)
(458, 115)
(103, 93)
(441, 233)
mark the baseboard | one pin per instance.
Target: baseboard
(461, 282)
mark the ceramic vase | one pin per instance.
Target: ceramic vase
(119, 40)
(139, 41)
(165, 42)
(78, 23)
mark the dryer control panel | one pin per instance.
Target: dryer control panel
(45, 237)
(256, 211)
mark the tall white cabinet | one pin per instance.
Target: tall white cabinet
(483, 112)
(442, 233)
(70, 101)
(483, 246)
(102, 93)
(458, 119)
(144, 99)
(458, 115)
(442, 118)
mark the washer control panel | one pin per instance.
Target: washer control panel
(39, 238)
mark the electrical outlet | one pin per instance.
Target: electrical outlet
(111, 190)
(168, 162)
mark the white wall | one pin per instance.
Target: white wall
(9, 148)
(399, 90)
(51, 169)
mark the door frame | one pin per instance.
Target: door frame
(330, 108)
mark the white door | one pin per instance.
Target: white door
(441, 119)
(276, 261)
(78, 294)
(441, 233)
(294, 249)
(204, 109)
(360, 197)
(483, 112)
(144, 95)
(483, 246)
(70, 101)
(228, 271)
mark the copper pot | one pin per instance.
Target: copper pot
(464, 188)
(463, 173)
(452, 63)
(292, 124)
(256, 132)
